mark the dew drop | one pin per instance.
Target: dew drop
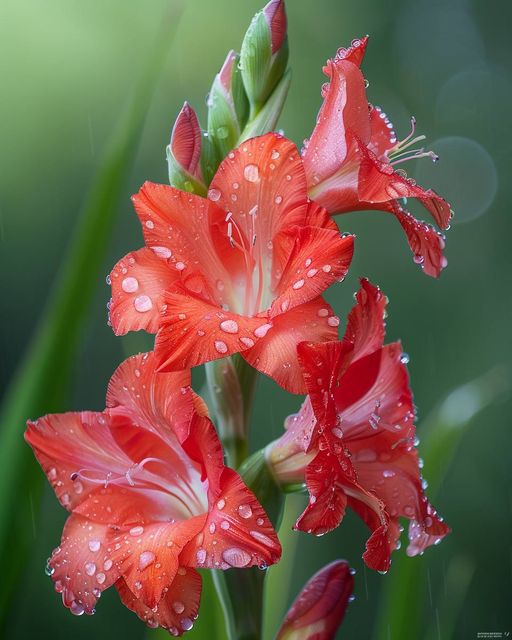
(201, 556)
(90, 568)
(178, 606)
(229, 326)
(150, 224)
(214, 194)
(323, 313)
(186, 624)
(146, 558)
(162, 252)
(94, 545)
(142, 303)
(100, 578)
(136, 531)
(76, 608)
(236, 557)
(251, 173)
(333, 321)
(220, 346)
(248, 342)
(298, 285)
(245, 511)
(261, 332)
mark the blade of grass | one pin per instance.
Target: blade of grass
(42, 379)
(400, 614)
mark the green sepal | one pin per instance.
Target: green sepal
(181, 179)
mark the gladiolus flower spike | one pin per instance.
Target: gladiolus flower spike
(238, 253)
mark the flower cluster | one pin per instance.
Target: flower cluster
(239, 251)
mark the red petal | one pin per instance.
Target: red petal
(374, 395)
(177, 224)
(66, 444)
(321, 365)
(195, 331)
(276, 354)
(138, 284)
(237, 532)
(82, 566)
(177, 609)
(320, 607)
(148, 556)
(383, 136)
(186, 140)
(160, 402)
(317, 259)
(345, 110)
(262, 183)
(365, 324)
(380, 184)
(426, 243)
(354, 53)
(327, 501)
(203, 446)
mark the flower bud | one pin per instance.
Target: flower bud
(264, 54)
(288, 456)
(320, 607)
(184, 153)
(227, 106)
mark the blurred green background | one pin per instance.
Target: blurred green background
(68, 70)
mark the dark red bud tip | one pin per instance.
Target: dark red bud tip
(186, 139)
(322, 603)
(275, 15)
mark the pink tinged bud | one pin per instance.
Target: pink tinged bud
(275, 16)
(185, 143)
(226, 73)
(320, 607)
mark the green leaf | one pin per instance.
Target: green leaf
(42, 380)
(401, 612)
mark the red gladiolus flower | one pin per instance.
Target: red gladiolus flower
(150, 499)
(241, 271)
(352, 155)
(353, 442)
(320, 607)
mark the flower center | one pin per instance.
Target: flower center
(253, 287)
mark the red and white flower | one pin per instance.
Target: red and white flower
(150, 498)
(241, 271)
(353, 441)
(352, 155)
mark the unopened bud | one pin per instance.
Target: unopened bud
(264, 54)
(184, 153)
(320, 607)
(227, 106)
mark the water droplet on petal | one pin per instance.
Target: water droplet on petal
(261, 332)
(251, 173)
(236, 557)
(229, 326)
(142, 303)
(146, 558)
(220, 346)
(136, 531)
(90, 568)
(245, 511)
(94, 545)
(214, 194)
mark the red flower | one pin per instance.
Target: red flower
(351, 156)
(241, 271)
(320, 607)
(353, 441)
(150, 499)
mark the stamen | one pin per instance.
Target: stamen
(402, 151)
